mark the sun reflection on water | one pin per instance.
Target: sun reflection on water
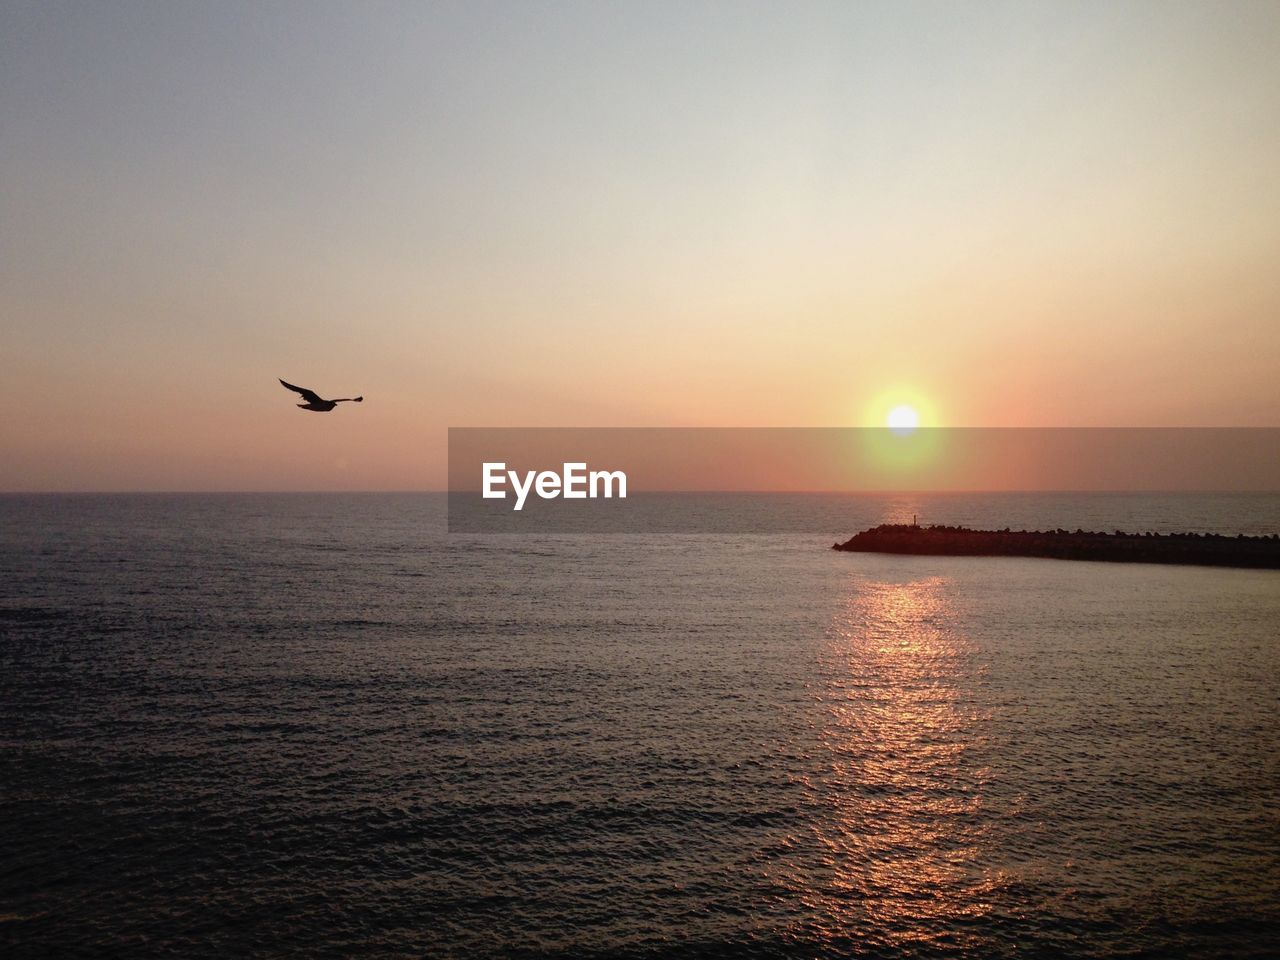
(904, 834)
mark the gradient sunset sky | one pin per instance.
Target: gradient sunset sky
(642, 214)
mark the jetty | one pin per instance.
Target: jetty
(1202, 549)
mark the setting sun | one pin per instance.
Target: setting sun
(902, 407)
(902, 418)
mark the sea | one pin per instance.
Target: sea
(321, 725)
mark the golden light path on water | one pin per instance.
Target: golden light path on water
(905, 835)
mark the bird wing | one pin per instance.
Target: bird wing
(308, 395)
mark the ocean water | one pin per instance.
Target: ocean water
(296, 725)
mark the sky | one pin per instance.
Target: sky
(619, 214)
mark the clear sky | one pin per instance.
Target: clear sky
(600, 214)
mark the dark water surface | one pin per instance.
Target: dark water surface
(318, 726)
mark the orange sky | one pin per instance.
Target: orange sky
(877, 459)
(650, 214)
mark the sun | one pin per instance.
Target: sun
(902, 419)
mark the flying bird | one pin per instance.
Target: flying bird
(316, 402)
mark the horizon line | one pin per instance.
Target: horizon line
(827, 492)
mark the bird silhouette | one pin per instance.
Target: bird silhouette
(316, 402)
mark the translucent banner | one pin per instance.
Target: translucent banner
(766, 480)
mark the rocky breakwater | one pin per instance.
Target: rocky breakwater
(1205, 549)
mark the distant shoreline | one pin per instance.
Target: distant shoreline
(1199, 549)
